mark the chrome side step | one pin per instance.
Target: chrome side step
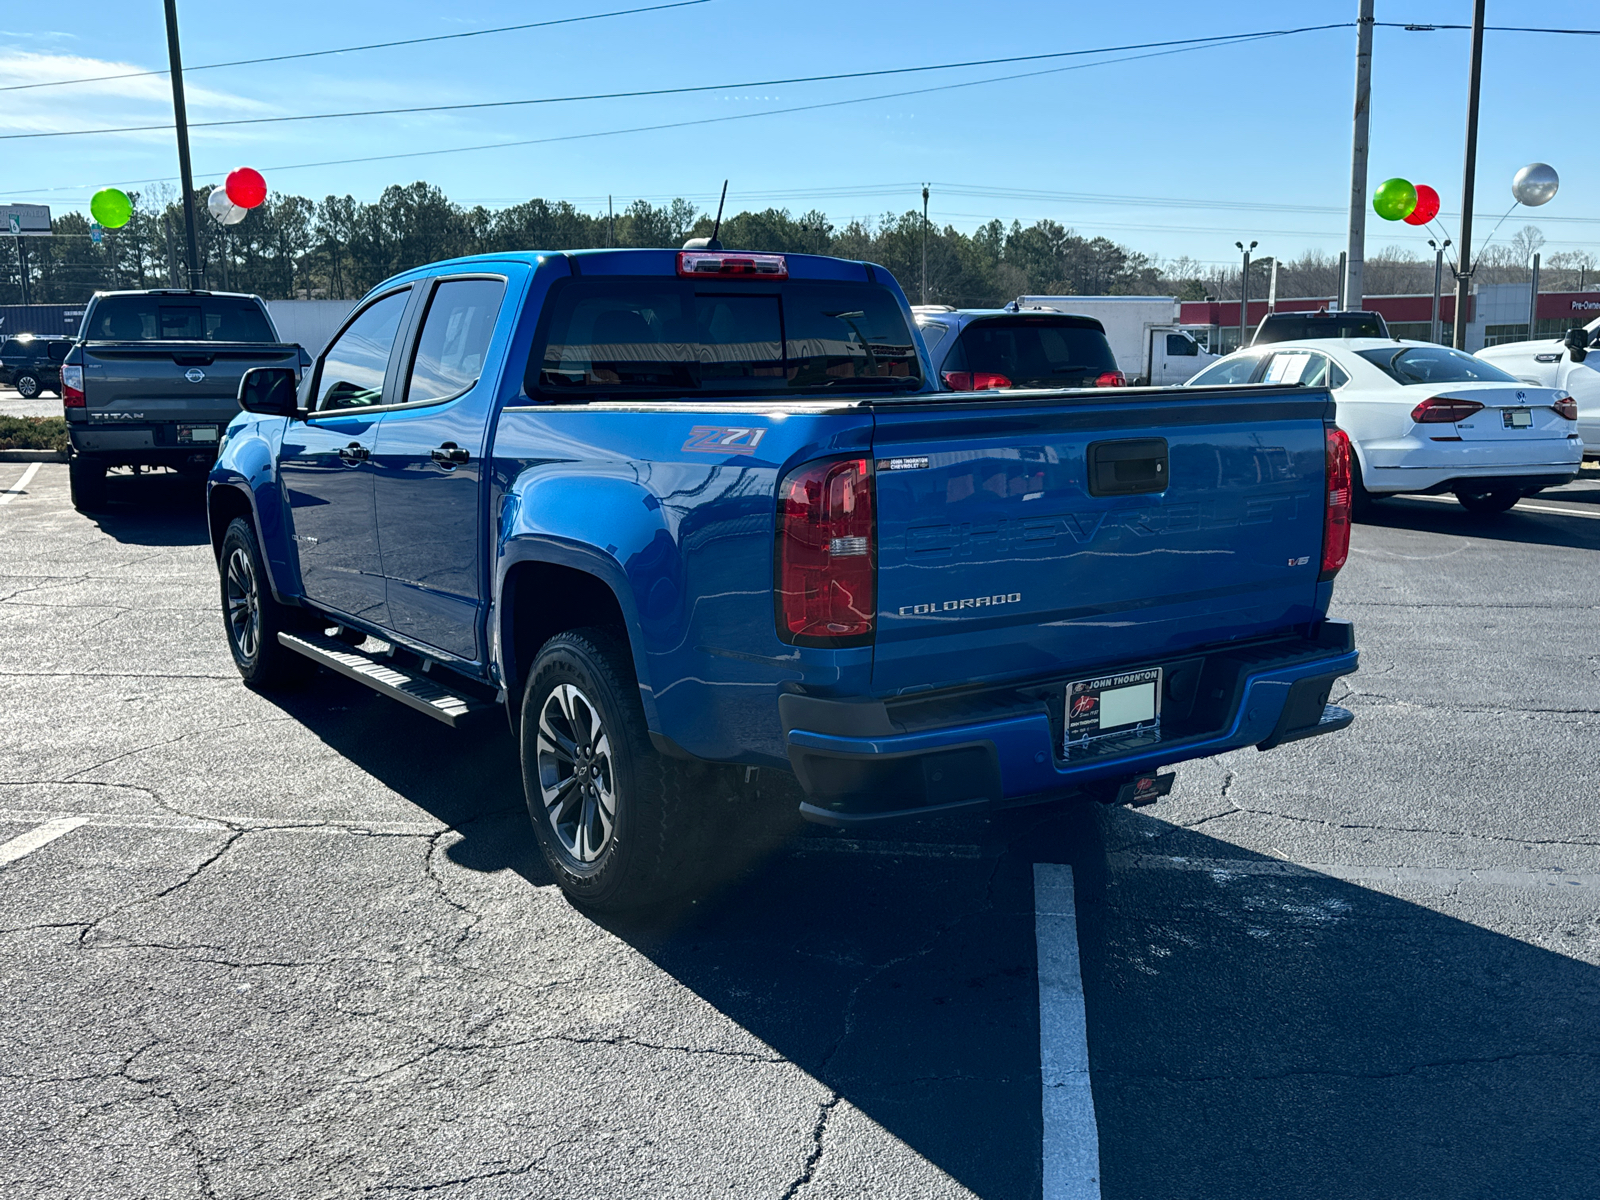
(415, 690)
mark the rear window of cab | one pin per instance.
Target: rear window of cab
(662, 337)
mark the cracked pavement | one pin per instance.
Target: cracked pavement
(304, 946)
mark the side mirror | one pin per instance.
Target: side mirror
(269, 391)
(1577, 343)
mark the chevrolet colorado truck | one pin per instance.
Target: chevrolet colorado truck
(675, 510)
(154, 378)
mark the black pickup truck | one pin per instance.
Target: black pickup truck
(154, 379)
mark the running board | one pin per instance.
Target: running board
(415, 690)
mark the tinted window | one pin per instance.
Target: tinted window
(354, 366)
(455, 338)
(178, 318)
(1179, 346)
(1038, 351)
(664, 336)
(1235, 369)
(14, 348)
(1434, 364)
(933, 332)
(1295, 328)
(58, 350)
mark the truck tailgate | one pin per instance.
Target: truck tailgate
(171, 381)
(1029, 536)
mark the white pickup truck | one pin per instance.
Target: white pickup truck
(1149, 345)
(1571, 362)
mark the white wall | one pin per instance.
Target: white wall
(311, 323)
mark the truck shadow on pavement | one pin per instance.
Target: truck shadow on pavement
(1578, 531)
(155, 509)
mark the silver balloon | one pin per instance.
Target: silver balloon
(1535, 184)
(224, 210)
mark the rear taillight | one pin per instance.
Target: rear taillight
(1336, 516)
(1444, 410)
(974, 381)
(827, 554)
(71, 386)
(722, 264)
(1566, 406)
(1112, 379)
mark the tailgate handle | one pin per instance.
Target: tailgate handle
(1128, 467)
(194, 360)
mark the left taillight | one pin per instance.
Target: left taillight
(1111, 379)
(1336, 515)
(71, 386)
(827, 554)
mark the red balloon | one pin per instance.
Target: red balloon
(1427, 206)
(247, 189)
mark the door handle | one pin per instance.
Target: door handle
(451, 455)
(355, 452)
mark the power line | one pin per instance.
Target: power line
(443, 37)
(1190, 43)
(1429, 27)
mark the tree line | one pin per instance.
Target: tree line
(337, 248)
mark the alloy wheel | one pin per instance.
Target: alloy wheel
(577, 779)
(243, 598)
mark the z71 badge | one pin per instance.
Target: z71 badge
(724, 439)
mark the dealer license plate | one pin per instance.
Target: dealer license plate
(1516, 418)
(190, 434)
(1121, 706)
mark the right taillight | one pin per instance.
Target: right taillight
(1566, 406)
(1336, 514)
(974, 381)
(1444, 410)
(71, 386)
(827, 554)
(1111, 379)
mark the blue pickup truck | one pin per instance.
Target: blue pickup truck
(680, 514)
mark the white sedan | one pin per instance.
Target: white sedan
(1426, 419)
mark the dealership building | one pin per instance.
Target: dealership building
(1496, 313)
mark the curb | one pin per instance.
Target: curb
(33, 456)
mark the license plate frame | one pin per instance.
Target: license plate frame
(1131, 698)
(198, 435)
(1516, 418)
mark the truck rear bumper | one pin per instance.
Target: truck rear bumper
(857, 765)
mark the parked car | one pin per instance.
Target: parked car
(682, 515)
(1307, 326)
(32, 365)
(1426, 419)
(980, 349)
(1151, 348)
(1570, 363)
(154, 377)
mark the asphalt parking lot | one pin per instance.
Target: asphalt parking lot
(304, 945)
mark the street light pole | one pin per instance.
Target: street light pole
(1533, 303)
(1356, 250)
(1469, 174)
(1244, 292)
(1438, 283)
(924, 243)
(180, 118)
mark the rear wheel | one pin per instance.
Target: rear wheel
(86, 480)
(27, 385)
(1361, 500)
(615, 818)
(253, 618)
(1488, 501)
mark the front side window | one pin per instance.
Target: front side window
(1236, 368)
(1434, 364)
(661, 337)
(455, 338)
(1179, 346)
(353, 367)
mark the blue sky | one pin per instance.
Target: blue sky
(1263, 125)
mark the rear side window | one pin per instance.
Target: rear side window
(1434, 364)
(660, 337)
(1234, 369)
(178, 318)
(14, 348)
(933, 332)
(1038, 351)
(455, 338)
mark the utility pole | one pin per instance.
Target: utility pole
(180, 118)
(611, 223)
(22, 267)
(1339, 282)
(1469, 174)
(1533, 302)
(924, 243)
(1244, 293)
(1356, 250)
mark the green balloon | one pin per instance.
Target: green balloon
(111, 207)
(1394, 199)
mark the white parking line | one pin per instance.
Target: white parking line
(28, 842)
(1521, 506)
(16, 489)
(1071, 1137)
(1376, 874)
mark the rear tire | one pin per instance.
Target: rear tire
(253, 618)
(27, 385)
(1488, 502)
(1361, 500)
(617, 820)
(86, 480)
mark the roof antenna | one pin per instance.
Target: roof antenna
(711, 243)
